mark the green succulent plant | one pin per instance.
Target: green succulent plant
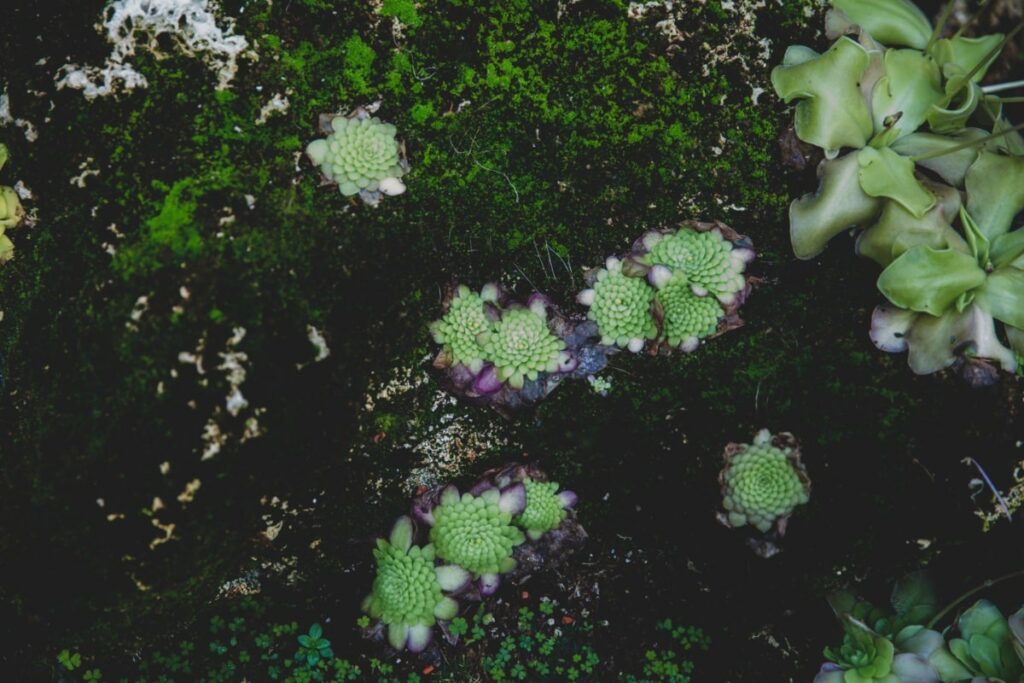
(948, 299)
(475, 532)
(709, 261)
(359, 154)
(11, 212)
(521, 346)
(687, 317)
(762, 483)
(904, 101)
(461, 326)
(545, 507)
(408, 591)
(621, 307)
(986, 646)
(868, 657)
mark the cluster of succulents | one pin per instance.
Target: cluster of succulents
(762, 483)
(674, 289)
(360, 155)
(11, 212)
(920, 159)
(507, 353)
(901, 645)
(473, 538)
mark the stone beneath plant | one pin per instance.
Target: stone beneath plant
(408, 591)
(763, 482)
(361, 155)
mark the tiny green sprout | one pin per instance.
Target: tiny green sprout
(69, 660)
(313, 646)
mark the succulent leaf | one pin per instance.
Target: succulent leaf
(995, 192)
(474, 534)
(832, 112)
(929, 280)
(891, 22)
(839, 204)
(884, 173)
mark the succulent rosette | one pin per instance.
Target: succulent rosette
(11, 212)
(868, 657)
(460, 327)
(408, 591)
(712, 263)
(687, 317)
(545, 507)
(763, 482)
(620, 304)
(476, 532)
(360, 154)
(520, 346)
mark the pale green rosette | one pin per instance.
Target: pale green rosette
(521, 346)
(408, 591)
(621, 306)
(459, 329)
(360, 154)
(763, 482)
(687, 317)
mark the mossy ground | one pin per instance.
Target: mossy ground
(543, 137)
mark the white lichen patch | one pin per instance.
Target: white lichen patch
(278, 104)
(6, 118)
(316, 338)
(130, 25)
(79, 180)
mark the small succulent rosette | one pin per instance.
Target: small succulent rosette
(548, 519)
(360, 155)
(474, 532)
(762, 484)
(11, 213)
(506, 354)
(410, 591)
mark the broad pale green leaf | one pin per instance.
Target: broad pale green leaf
(995, 192)
(839, 204)
(832, 112)
(951, 167)
(935, 343)
(884, 173)
(929, 280)
(966, 53)
(1008, 249)
(1002, 296)
(903, 97)
(898, 230)
(891, 22)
